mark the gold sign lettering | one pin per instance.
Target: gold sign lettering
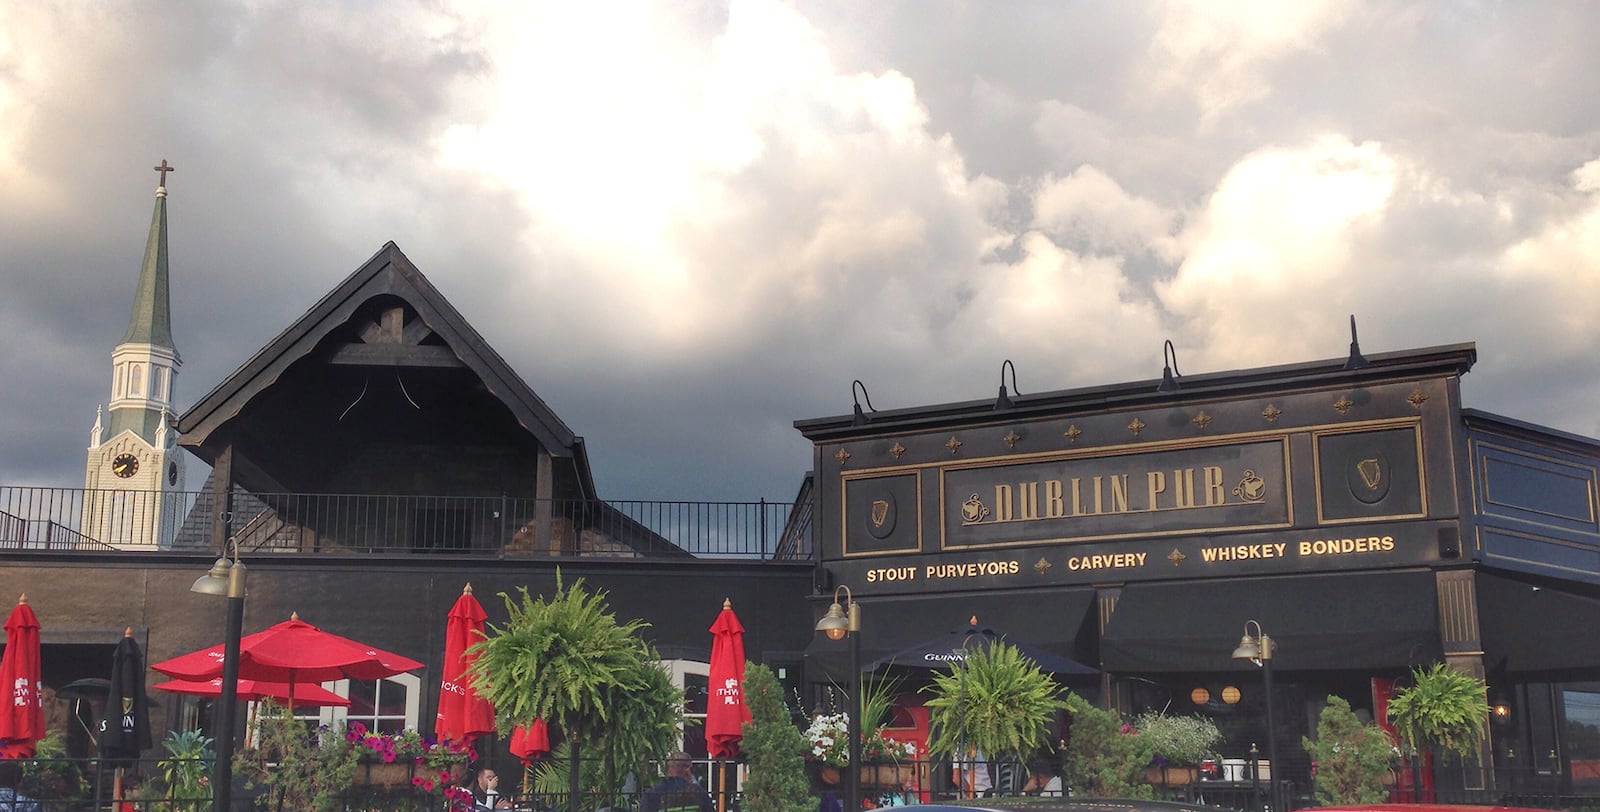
(1079, 563)
(972, 569)
(882, 574)
(1242, 552)
(1370, 544)
(1104, 495)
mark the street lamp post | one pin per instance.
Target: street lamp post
(227, 579)
(1258, 649)
(845, 621)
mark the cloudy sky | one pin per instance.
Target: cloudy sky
(687, 225)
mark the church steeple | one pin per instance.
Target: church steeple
(145, 364)
(151, 322)
(133, 456)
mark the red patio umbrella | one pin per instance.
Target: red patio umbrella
(22, 718)
(726, 711)
(294, 652)
(463, 714)
(529, 742)
(309, 695)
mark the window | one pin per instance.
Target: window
(136, 380)
(695, 680)
(385, 705)
(1582, 734)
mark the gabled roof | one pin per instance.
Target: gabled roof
(388, 273)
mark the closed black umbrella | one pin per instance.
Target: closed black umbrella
(125, 727)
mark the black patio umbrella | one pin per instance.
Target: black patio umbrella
(125, 727)
(954, 646)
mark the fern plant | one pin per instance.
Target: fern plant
(997, 700)
(568, 660)
(1444, 708)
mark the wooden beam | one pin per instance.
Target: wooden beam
(394, 355)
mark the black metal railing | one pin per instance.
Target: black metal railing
(72, 519)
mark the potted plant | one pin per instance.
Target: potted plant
(1177, 746)
(1445, 710)
(997, 701)
(566, 659)
(1349, 759)
(774, 749)
(1105, 757)
(186, 770)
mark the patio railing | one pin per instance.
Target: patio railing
(72, 519)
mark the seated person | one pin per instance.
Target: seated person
(486, 792)
(11, 799)
(678, 792)
(1044, 779)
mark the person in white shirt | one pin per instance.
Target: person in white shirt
(971, 774)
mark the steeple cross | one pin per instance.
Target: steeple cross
(164, 169)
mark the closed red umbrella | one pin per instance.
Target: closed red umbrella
(294, 652)
(726, 711)
(22, 718)
(529, 742)
(308, 695)
(463, 715)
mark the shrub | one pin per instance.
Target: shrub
(1351, 758)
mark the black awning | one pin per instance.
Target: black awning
(1375, 620)
(1052, 621)
(1535, 629)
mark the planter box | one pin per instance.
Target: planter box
(1171, 776)
(381, 774)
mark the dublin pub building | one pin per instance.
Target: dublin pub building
(1353, 507)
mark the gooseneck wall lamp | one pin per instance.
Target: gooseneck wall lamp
(227, 579)
(1356, 359)
(858, 417)
(1258, 648)
(1002, 401)
(1169, 368)
(841, 621)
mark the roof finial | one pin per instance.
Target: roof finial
(164, 168)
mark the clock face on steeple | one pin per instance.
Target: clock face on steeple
(125, 465)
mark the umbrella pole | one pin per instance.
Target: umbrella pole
(116, 789)
(722, 786)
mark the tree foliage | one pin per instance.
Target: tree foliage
(997, 700)
(1105, 758)
(1352, 758)
(774, 749)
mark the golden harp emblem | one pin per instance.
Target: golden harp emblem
(1371, 472)
(880, 512)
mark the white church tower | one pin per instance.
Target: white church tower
(134, 479)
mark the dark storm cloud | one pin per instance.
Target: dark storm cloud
(689, 227)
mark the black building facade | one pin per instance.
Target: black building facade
(1351, 507)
